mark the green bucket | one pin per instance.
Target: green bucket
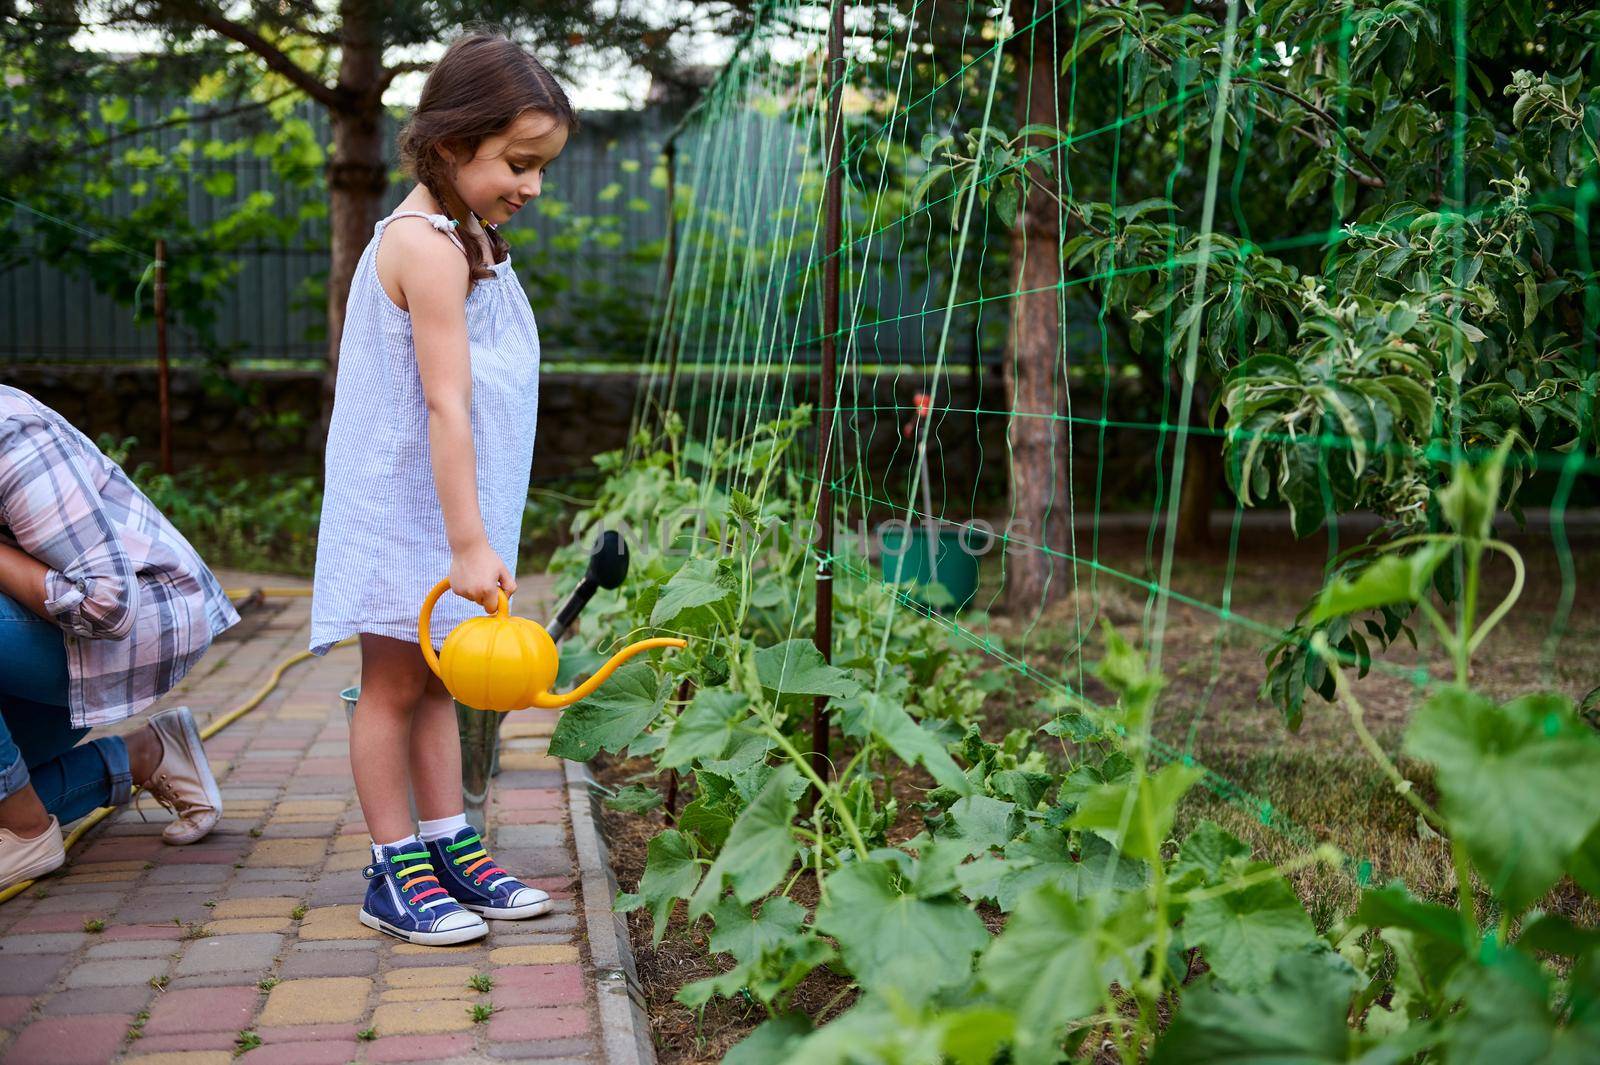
(954, 566)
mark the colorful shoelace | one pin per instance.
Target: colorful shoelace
(479, 859)
(424, 869)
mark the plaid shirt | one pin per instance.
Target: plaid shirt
(137, 605)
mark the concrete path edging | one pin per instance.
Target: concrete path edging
(624, 1021)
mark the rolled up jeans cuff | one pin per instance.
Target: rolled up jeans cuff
(115, 753)
(14, 777)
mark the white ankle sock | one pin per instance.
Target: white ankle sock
(413, 840)
(439, 829)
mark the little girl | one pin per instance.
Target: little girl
(427, 471)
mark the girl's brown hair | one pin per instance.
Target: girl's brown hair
(481, 84)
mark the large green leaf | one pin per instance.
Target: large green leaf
(1298, 1019)
(1055, 961)
(1509, 1016)
(705, 728)
(1043, 855)
(759, 849)
(1391, 579)
(770, 1042)
(980, 823)
(878, 715)
(699, 583)
(894, 940)
(745, 933)
(1517, 784)
(1137, 823)
(795, 667)
(1243, 933)
(612, 717)
(1206, 851)
(670, 874)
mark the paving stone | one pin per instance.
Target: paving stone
(75, 878)
(12, 1009)
(90, 902)
(520, 938)
(267, 906)
(305, 1033)
(297, 829)
(284, 853)
(241, 954)
(220, 1009)
(69, 1040)
(162, 909)
(182, 1057)
(329, 963)
(248, 924)
(543, 955)
(422, 1018)
(320, 1053)
(305, 807)
(513, 760)
(418, 1047)
(187, 1042)
(448, 976)
(416, 954)
(46, 942)
(188, 874)
(134, 948)
(463, 995)
(550, 1022)
(533, 862)
(229, 978)
(283, 880)
(98, 1000)
(538, 985)
(347, 862)
(71, 921)
(318, 1000)
(549, 1051)
(335, 922)
(116, 972)
(531, 778)
(518, 837)
(119, 932)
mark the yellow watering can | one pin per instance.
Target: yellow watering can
(499, 662)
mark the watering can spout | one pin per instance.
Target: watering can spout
(553, 701)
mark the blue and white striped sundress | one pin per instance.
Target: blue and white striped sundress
(381, 544)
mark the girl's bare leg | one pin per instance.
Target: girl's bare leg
(393, 680)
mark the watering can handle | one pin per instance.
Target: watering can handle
(424, 637)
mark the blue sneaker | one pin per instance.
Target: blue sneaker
(475, 881)
(406, 900)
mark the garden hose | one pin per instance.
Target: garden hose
(211, 729)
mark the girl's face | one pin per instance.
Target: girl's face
(508, 169)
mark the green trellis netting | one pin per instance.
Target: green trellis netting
(1107, 267)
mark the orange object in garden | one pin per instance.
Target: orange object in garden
(498, 662)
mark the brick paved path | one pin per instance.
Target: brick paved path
(142, 952)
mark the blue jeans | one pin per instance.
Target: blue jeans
(37, 740)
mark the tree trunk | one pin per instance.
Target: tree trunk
(357, 176)
(1035, 365)
(1202, 477)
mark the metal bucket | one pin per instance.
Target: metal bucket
(480, 740)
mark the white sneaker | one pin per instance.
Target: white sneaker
(25, 859)
(183, 782)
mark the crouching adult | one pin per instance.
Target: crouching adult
(104, 606)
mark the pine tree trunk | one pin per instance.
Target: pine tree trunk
(1035, 365)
